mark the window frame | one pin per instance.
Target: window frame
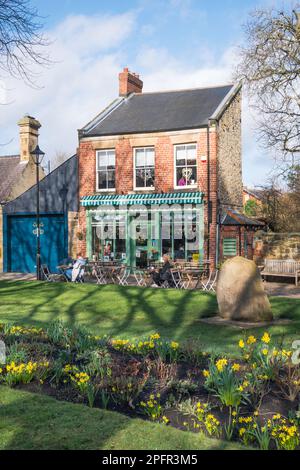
(106, 190)
(228, 251)
(190, 186)
(142, 188)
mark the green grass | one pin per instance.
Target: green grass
(30, 421)
(129, 312)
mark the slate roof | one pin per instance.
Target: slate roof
(161, 111)
(10, 171)
(257, 193)
(232, 217)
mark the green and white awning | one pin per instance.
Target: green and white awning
(142, 199)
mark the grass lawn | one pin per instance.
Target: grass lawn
(133, 311)
(30, 421)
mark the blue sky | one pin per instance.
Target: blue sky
(170, 43)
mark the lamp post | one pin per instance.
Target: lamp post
(38, 155)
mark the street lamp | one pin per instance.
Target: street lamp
(38, 155)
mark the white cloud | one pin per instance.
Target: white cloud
(81, 81)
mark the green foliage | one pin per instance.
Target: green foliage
(99, 363)
(251, 208)
(224, 382)
(16, 353)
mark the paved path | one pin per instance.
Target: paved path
(282, 289)
(17, 277)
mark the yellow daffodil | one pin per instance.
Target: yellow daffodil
(266, 338)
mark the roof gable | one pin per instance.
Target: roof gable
(162, 111)
(10, 171)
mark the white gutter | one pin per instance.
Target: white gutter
(225, 102)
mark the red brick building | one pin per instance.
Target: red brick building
(158, 173)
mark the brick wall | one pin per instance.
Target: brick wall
(244, 240)
(164, 169)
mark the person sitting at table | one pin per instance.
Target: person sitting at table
(164, 274)
(179, 254)
(74, 272)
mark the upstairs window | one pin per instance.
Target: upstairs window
(186, 166)
(144, 168)
(106, 170)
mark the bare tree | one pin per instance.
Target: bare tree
(59, 158)
(21, 40)
(270, 70)
(271, 208)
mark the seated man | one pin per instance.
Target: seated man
(164, 274)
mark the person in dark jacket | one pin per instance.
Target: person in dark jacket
(164, 274)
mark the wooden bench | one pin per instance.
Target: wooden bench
(282, 268)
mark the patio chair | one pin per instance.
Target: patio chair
(139, 278)
(176, 278)
(99, 275)
(123, 276)
(209, 284)
(50, 277)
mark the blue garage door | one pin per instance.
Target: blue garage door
(21, 240)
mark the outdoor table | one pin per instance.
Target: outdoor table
(194, 275)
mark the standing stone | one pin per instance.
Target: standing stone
(240, 292)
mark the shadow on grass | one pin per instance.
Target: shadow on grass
(135, 311)
(116, 309)
(32, 421)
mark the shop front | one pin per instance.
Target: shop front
(140, 229)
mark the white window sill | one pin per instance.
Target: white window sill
(110, 190)
(150, 188)
(191, 186)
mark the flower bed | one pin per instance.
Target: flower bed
(254, 399)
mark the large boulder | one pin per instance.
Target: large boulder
(240, 292)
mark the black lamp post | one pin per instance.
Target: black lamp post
(38, 155)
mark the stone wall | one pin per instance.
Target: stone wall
(276, 246)
(230, 183)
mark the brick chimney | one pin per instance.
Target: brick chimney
(29, 132)
(129, 82)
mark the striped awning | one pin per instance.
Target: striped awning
(142, 199)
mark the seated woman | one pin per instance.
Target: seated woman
(164, 274)
(73, 273)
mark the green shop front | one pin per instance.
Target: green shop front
(140, 228)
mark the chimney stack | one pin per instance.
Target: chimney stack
(29, 127)
(129, 82)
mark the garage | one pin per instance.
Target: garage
(21, 242)
(58, 222)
